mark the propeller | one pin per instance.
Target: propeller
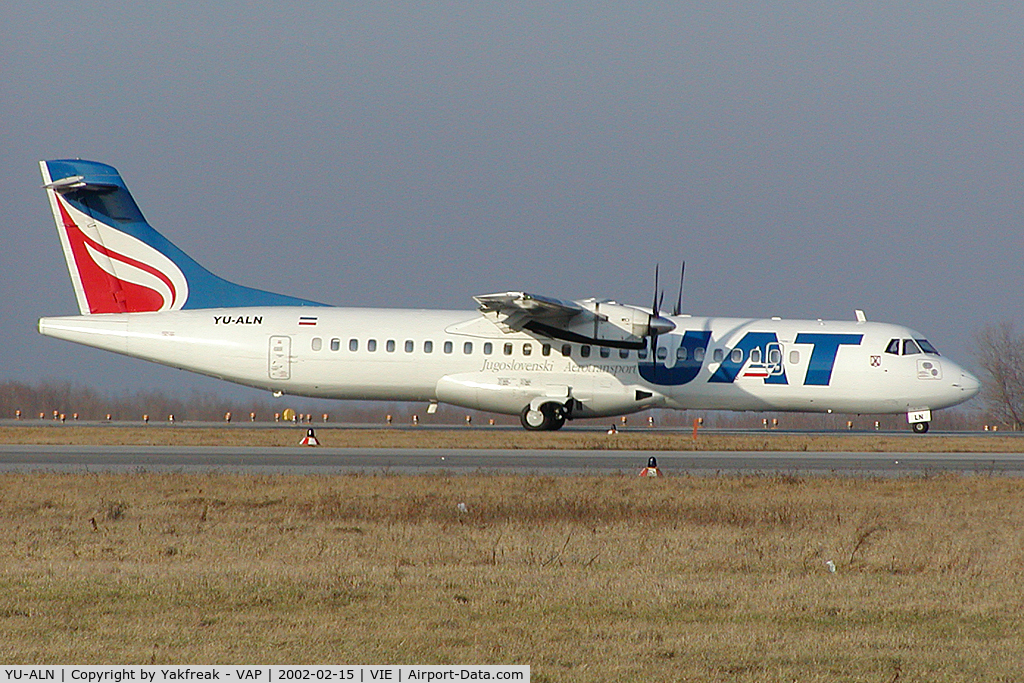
(657, 324)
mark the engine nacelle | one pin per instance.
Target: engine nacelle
(618, 324)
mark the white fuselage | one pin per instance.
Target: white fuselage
(468, 359)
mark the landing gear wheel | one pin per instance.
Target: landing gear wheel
(557, 416)
(548, 417)
(920, 427)
(533, 420)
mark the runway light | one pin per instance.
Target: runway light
(652, 468)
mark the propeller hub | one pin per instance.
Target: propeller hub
(659, 325)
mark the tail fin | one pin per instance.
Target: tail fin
(118, 263)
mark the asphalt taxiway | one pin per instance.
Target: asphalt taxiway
(304, 460)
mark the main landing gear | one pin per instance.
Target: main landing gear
(548, 417)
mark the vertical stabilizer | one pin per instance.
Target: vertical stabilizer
(118, 262)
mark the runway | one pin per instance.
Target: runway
(382, 461)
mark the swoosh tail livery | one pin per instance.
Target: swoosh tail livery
(544, 359)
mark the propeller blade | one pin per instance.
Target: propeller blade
(657, 324)
(679, 300)
(654, 304)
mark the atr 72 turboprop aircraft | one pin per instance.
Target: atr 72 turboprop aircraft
(541, 358)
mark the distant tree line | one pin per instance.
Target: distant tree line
(1000, 355)
(66, 398)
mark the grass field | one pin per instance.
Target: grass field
(586, 579)
(638, 439)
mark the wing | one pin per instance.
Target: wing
(531, 305)
(604, 323)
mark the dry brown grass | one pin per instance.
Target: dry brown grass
(586, 579)
(503, 438)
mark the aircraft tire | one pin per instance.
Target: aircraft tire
(549, 417)
(920, 427)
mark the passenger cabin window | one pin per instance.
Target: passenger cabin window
(353, 344)
(467, 348)
(681, 353)
(566, 350)
(662, 353)
(335, 345)
(488, 348)
(794, 357)
(642, 353)
(507, 349)
(318, 343)
(371, 344)
(698, 354)
(755, 355)
(718, 355)
(774, 356)
(428, 347)
(448, 347)
(527, 349)
(409, 346)
(605, 352)
(910, 347)
(585, 351)
(545, 350)
(893, 347)
(390, 346)
(736, 356)
(623, 353)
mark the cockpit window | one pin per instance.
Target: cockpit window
(893, 347)
(927, 347)
(910, 347)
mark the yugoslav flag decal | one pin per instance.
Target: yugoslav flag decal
(118, 273)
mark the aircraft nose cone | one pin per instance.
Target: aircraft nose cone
(969, 384)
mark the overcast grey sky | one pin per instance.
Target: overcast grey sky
(805, 158)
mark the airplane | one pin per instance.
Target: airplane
(544, 359)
